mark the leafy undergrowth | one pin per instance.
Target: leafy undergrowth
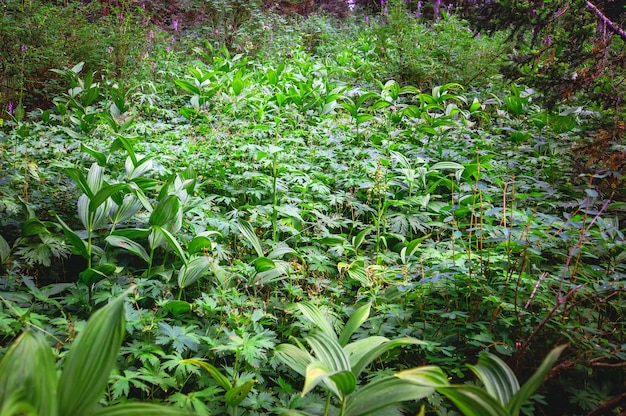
(230, 188)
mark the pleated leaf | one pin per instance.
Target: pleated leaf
(193, 270)
(128, 245)
(345, 382)
(248, 232)
(473, 401)
(382, 393)
(139, 409)
(328, 351)
(430, 376)
(165, 212)
(90, 360)
(28, 374)
(315, 373)
(356, 320)
(314, 315)
(294, 357)
(534, 382)
(368, 352)
(498, 378)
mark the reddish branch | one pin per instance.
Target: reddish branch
(611, 24)
(608, 405)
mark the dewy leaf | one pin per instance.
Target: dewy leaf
(90, 360)
(29, 366)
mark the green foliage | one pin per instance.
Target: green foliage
(227, 185)
(29, 376)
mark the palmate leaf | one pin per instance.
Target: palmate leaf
(90, 360)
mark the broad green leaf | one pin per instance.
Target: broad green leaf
(248, 232)
(29, 366)
(103, 194)
(296, 358)
(214, 372)
(364, 351)
(200, 244)
(360, 237)
(178, 307)
(498, 378)
(171, 240)
(193, 270)
(356, 320)
(33, 226)
(99, 156)
(89, 362)
(315, 373)
(328, 351)
(95, 177)
(165, 212)
(362, 118)
(95, 274)
(446, 165)
(263, 264)
(534, 382)
(188, 86)
(139, 409)
(430, 375)
(235, 396)
(473, 401)
(314, 315)
(77, 243)
(5, 250)
(122, 142)
(79, 178)
(129, 207)
(381, 393)
(345, 382)
(128, 245)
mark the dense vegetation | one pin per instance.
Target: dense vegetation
(308, 210)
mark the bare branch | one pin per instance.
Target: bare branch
(611, 24)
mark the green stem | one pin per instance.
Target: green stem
(327, 407)
(274, 201)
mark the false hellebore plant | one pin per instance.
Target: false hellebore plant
(28, 378)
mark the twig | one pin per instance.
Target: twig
(611, 24)
(608, 405)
